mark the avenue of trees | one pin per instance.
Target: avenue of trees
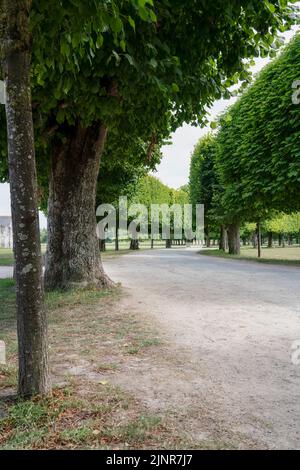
(82, 73)
(147, 190)
(152, 191)
(249, 171)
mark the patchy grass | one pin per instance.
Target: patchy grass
(75, 298)
(8, 332)
(8, 376)
(286, 255)
(65, 421)
(91, 339)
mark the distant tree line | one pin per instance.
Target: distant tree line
(146, 190)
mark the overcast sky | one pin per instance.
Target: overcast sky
(174, 167)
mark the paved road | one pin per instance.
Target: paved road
(237, 320)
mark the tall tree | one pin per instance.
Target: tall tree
(142, 67)
(31, 316)
(203, 180)
(258, 144)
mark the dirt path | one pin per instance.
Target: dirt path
(5, 272)
(225, 370)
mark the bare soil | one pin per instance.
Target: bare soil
(224, 372)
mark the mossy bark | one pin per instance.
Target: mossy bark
(31, 315)
(73, 255)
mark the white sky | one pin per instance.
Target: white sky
(174, 167)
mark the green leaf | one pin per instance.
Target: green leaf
(153, 63)
(270, 7)
(99, 41)
(175, 87)
(131, 22)
(123, 45)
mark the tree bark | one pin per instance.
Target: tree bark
(168, 243)
(31, 315)
(134, 244)
(234, 243)
(270, 239)
(223, 238)
(73, 255)
(117, 240)
(207, 239)
(134, 241)
(258, 239)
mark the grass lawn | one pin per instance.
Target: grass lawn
(91, 339)
(277, 255)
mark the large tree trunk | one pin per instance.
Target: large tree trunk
(223, 238)
(31, 315)
(73, 257)
(234, 243)
(168, 243)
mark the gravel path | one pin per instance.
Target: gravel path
(6, 272)
(232, 323)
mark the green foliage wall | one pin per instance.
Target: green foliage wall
(258, 157)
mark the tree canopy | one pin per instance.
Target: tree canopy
(141, 65)
(258, 155)
(136, 69)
